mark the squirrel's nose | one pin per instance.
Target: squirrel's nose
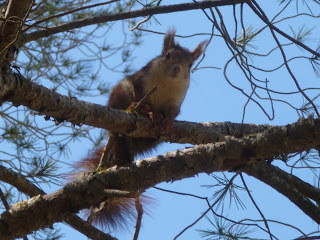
(175, 70)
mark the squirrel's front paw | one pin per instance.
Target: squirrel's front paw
(161, 123)
(142, 108)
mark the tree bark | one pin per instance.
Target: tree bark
(21, 91)
(208, 158)
(14, 17)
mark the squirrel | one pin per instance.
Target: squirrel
(170, 74)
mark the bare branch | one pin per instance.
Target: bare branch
(256, 206)
(69, 12)
(139, 217)
(272, 28)
(126, 15)
(263, 17)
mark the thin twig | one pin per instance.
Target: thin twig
(246, 104)
(263, 17)
(272, 28)
(139, 217)
(256, 205)
(142, 101)
(218, 215)
(124, 15)
(288, 185)
(142, 21)
(4, 200)
(68, 12)
(197, 220)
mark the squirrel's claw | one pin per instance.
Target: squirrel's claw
(161, 123)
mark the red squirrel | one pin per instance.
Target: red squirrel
(170, 73)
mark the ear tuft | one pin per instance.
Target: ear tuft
(168, 41)
(200, 49)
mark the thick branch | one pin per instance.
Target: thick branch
(19, 181)
(16, 12)
(127, 15)
(290, 186)
(91, 190)
(305, 188)
(21, 91)
(23, 185)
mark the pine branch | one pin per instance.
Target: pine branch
(14, 17)
(264, 18)
(143, 174)
(296, 190)
(25, 186)
(126, 15)
(21, 91)
(19, 181)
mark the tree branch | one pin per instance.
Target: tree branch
(87, 229)
(14, 17)
(126, 15)
(91, 189)
(19, 181)
(288, 185)
(21, 91)
(272, 28)
(264, 18)
(23, 185)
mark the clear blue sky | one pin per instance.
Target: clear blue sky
(211, 99)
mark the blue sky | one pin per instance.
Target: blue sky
(211, 99)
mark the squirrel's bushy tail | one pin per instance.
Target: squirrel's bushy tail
(114, 213)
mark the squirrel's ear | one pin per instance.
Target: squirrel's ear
(168, 41)
(199, 50)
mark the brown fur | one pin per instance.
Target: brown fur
(114, 213)
(170, 73)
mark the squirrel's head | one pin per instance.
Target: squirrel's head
(178, 60)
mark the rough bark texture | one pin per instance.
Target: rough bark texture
(14, 17)
(24, 186)
(21, 91)
(222, 156)
(293, 188)
(247, 152)
(19, 181)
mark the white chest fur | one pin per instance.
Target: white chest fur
(171, 91)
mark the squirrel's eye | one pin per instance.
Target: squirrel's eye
(167, 55)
